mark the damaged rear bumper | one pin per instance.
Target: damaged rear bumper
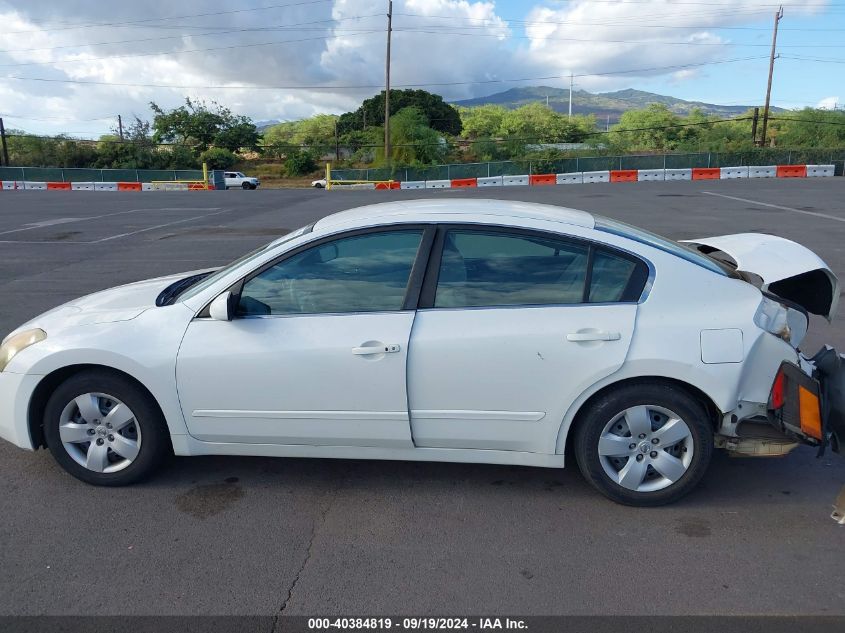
(810, 405)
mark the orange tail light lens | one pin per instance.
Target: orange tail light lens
(810, 411)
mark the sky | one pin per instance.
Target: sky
(71, 66)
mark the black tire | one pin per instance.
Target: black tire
(155, 437)
(592, 423)
(246, 186)
(318, 186)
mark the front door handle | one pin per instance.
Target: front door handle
(391, 348)
(580, 337)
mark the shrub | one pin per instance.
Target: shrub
(218, 158)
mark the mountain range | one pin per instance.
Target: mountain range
(603, 105)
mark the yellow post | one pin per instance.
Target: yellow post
(205, 175)
(328, 175)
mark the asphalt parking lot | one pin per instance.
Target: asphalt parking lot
(215, 535)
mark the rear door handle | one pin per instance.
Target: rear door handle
(580, 337)
(392, 348)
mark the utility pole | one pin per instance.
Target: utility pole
(120, 126)
(3, 142)
(571, 78)
(778, 17)
(754, 125)
(336, 144)
(387, 86)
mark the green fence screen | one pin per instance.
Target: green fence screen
(58, 174)
(766, 156)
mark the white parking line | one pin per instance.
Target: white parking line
(114, 237)
(777, 206)
(40, 225)
(159, 226)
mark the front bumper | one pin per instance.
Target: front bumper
(15, 393)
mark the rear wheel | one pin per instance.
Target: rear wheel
(105, 430)
(644, 444)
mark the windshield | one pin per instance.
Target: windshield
(222, 272)
(664, 244)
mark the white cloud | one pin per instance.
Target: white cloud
(583, 37)
(336, 44)
(828, 103)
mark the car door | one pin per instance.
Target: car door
(317, 349)
(513, 326)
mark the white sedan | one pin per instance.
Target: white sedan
(441, 330)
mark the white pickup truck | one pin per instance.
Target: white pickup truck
(238, 179)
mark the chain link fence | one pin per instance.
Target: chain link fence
(57, 174)
(834, 157)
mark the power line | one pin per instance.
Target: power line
(182, 35)
(191, 50)
(624, 23)
(72, 26)
(609, 41)
(366, 86)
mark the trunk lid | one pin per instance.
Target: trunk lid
(785, 268)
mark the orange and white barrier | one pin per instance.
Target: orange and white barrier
(820, 171)
(769, 171)
(646, 175)
(516, 181)
(490, 181)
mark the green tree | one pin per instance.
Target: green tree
(412, 142)
(316, 134)
(439, 115)
(218, 158)
(809, 127)
(200, 125)
(482, 121)
(299, 163)
(654, 128)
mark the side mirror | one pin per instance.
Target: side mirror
(221, 308)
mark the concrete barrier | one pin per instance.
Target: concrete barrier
(58, 186)
(706, 173)
(515, 181)
(623, 175)
(731, 173)
(677, 174)
(386, 186)
(145, 186)
(464, 183)
(9, 185)
(30, 185)
(820, 171)
(769, 171)
(646, 175)
(490, 181)
(129, 186)
(542, 179)
(105, 186)
(792, 171)
(570, 179)
(438, 184)
(412, 184)
(596, 176)
(82, 186)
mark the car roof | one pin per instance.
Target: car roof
(491, 211)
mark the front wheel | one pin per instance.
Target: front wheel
(246, 186)
(644, 444)
(104, 429)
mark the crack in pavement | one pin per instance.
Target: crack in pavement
(329, 499)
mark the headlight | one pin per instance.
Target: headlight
(20, 341)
